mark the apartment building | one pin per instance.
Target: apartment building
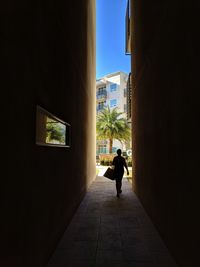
(111, 90)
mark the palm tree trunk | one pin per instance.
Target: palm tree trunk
(110, 145)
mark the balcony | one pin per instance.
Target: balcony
(100, 108)
(101, 96)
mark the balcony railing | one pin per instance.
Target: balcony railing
(100, 108)
(102, 94)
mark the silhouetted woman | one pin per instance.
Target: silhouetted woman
(119, 163)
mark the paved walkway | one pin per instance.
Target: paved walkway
(110, 232)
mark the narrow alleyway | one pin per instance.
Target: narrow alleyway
(111, 232)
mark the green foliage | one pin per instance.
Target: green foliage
(102, 162)
(106, 162)
(111, 125)
(129, 163)
(55, 132)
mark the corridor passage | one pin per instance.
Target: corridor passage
(111, 232)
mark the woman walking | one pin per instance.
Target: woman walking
(119, 163)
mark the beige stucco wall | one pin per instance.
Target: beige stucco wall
(48, 60)
(165, 98)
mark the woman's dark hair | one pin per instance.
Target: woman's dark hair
(119, 152)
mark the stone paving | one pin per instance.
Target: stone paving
(107, 231)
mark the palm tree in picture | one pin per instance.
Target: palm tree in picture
(111, 125)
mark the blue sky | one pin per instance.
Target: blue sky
(110, 37)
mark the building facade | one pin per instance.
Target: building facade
(111, 90)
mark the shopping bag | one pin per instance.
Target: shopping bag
(109, 174)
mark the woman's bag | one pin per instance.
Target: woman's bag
(109, 174)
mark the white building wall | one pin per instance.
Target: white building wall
(120, 80)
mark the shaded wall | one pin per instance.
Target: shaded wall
(165, 120)
(48, 59)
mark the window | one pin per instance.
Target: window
(101, 93)
(101, 90)
(101, 105)
(113, 87)
(102, 149)
(113, 102)
(114, 149)
(125, 107)
(50, 130)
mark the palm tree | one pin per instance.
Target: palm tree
(110, 125)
